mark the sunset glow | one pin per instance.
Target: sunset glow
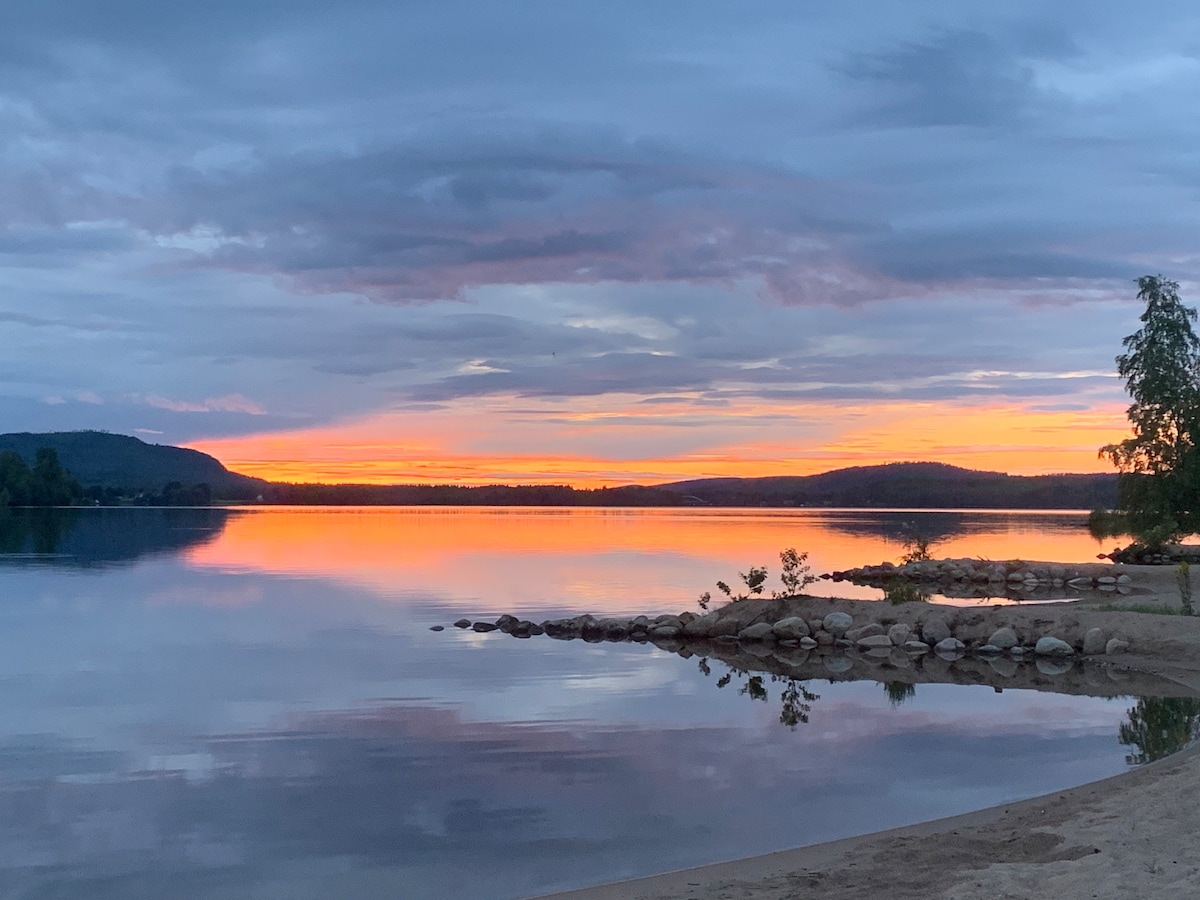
(452, 446)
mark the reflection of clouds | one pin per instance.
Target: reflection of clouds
(422, 796)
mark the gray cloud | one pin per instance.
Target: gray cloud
(815, 202)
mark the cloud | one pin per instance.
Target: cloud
(230, 403)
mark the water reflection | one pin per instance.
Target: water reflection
(83, 538)
(1160, 726)
(252, 705)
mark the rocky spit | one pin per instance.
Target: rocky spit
(878, 628)
(1012, 579)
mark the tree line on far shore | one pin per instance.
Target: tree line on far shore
(47, 483)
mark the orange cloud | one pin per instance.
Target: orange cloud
(598, 441)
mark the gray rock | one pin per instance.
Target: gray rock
(837, 623)
(915, 647)
(807, 643)
(1116, 646)
(792, 628)
(1052, 646)
(1004, 638)
(1123, 579)
(437, 627)
(763, 631)
(463, 623)
(665, 631)
(483, 627)
(949, 645)
(989, 650)
(875, 641)
(862, 631)
(899, 633)
(825, 639)
(1094, 641)
(1106, 579)
(815, 625)
(1081, 582)
(934, 630)
(701, 626)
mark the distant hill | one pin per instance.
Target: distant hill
(121, 461)
(907, 485)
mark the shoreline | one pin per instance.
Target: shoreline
(1125, 836)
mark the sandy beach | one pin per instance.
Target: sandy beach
(1133, 835)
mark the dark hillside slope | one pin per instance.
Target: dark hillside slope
(908, 485)
(121, 461)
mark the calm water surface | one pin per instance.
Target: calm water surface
(212, 703)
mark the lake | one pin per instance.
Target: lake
(251, 703)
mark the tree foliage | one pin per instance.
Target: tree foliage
(1159, 489)
(46, 484)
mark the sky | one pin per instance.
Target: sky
(590, 243)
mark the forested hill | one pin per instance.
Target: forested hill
(908, 485)
(120, 461)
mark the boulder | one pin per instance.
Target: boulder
(506, 622)
(1094, 641)
(837, 623)
(949, 645)
(899, 633)
(701, 626)
(934, 630)
(483, 627)
(791, 629)
(825, 639)
(864, 631)
(875, 641)
(763, 631)
(463, 623)
(807, 643)
(815, 625)
(1004, 638)
(1052, 646)
(665, 630)
(1116, 646)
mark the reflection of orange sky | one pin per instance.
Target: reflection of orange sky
(594, 443)
(620, 560)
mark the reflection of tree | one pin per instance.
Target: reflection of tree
(899, 691)
(796, 699)
(1158, 726)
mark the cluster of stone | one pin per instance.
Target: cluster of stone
(1012, 576)
(834, 631)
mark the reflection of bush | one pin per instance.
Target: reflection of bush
(899, 691)
(1159, 726)
(796, 699)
